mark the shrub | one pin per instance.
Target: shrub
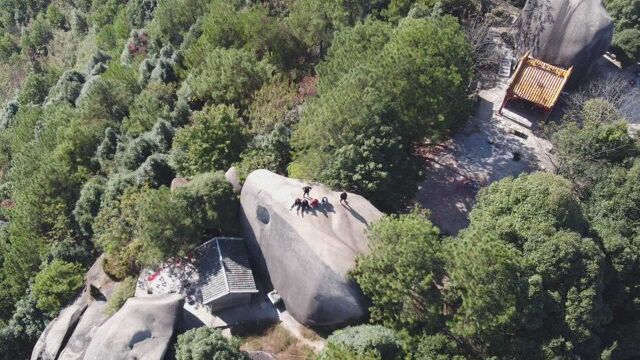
(367, 338)
(115, 226)
(172, 18)
(155, 171)
(36, 87)
(626, 45)
(8, 114)
(99, 57)
(625, 13)
(226, 76)
(70, 251)
(399, 272)
(115, 188)
(213, 203)
(67, 88)
(161, 135)
(314, 21)
(437, 347)
(207, 343)
(378, 165)
(56, 284)
(152, 104)
(181, 113)
(56, 17)
(214, 141)
(136, 152)
(270, 106)
(124, 291)
(88, 205)
(597, 137)
(78, 23)
(35, 40)
(271, 152)
(164, 227)
(140, 12)
(107, 148)
(8, 47)
(381, 106)
(5, 190)
(18, 337)
(137, 44)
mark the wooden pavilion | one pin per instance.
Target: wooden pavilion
(536, 82)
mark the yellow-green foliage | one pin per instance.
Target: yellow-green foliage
(124, 291)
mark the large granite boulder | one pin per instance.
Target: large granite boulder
(307, 256)
(54, 337)
(142, 330)
(99, 285)
(91, 320)
(565, 33)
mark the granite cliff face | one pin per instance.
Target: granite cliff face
(565, 33)
(307, 256)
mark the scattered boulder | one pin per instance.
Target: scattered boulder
(307, 256)
(142, 329)
(565, 33)
(54, 337)
(233, 178)
(99, 285)
(178, 183)
(92, 318)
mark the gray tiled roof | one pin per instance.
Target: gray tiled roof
(224, 268)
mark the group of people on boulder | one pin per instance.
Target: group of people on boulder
(308, 203)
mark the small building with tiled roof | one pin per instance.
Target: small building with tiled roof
(225, 276)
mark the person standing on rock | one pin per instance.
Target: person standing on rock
(343, 198)
(296, 204)
(306, 190)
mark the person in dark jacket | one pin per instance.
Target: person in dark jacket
(296, 204)
(343, 198)
(305, 191)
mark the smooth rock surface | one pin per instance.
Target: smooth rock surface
(91, 320)
(565, 33)
(233, 178)
(178, 183)
(97, 278)
(307, 256)
(54, 336)
(141, 330)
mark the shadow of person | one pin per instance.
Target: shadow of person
(325, 208)
(354, 213)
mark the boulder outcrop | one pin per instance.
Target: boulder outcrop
(233, 178)
(565, 33)
(55, 335)
(307, 256)
(141, 329)
(93, 317)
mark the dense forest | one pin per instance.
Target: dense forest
(107, 101)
